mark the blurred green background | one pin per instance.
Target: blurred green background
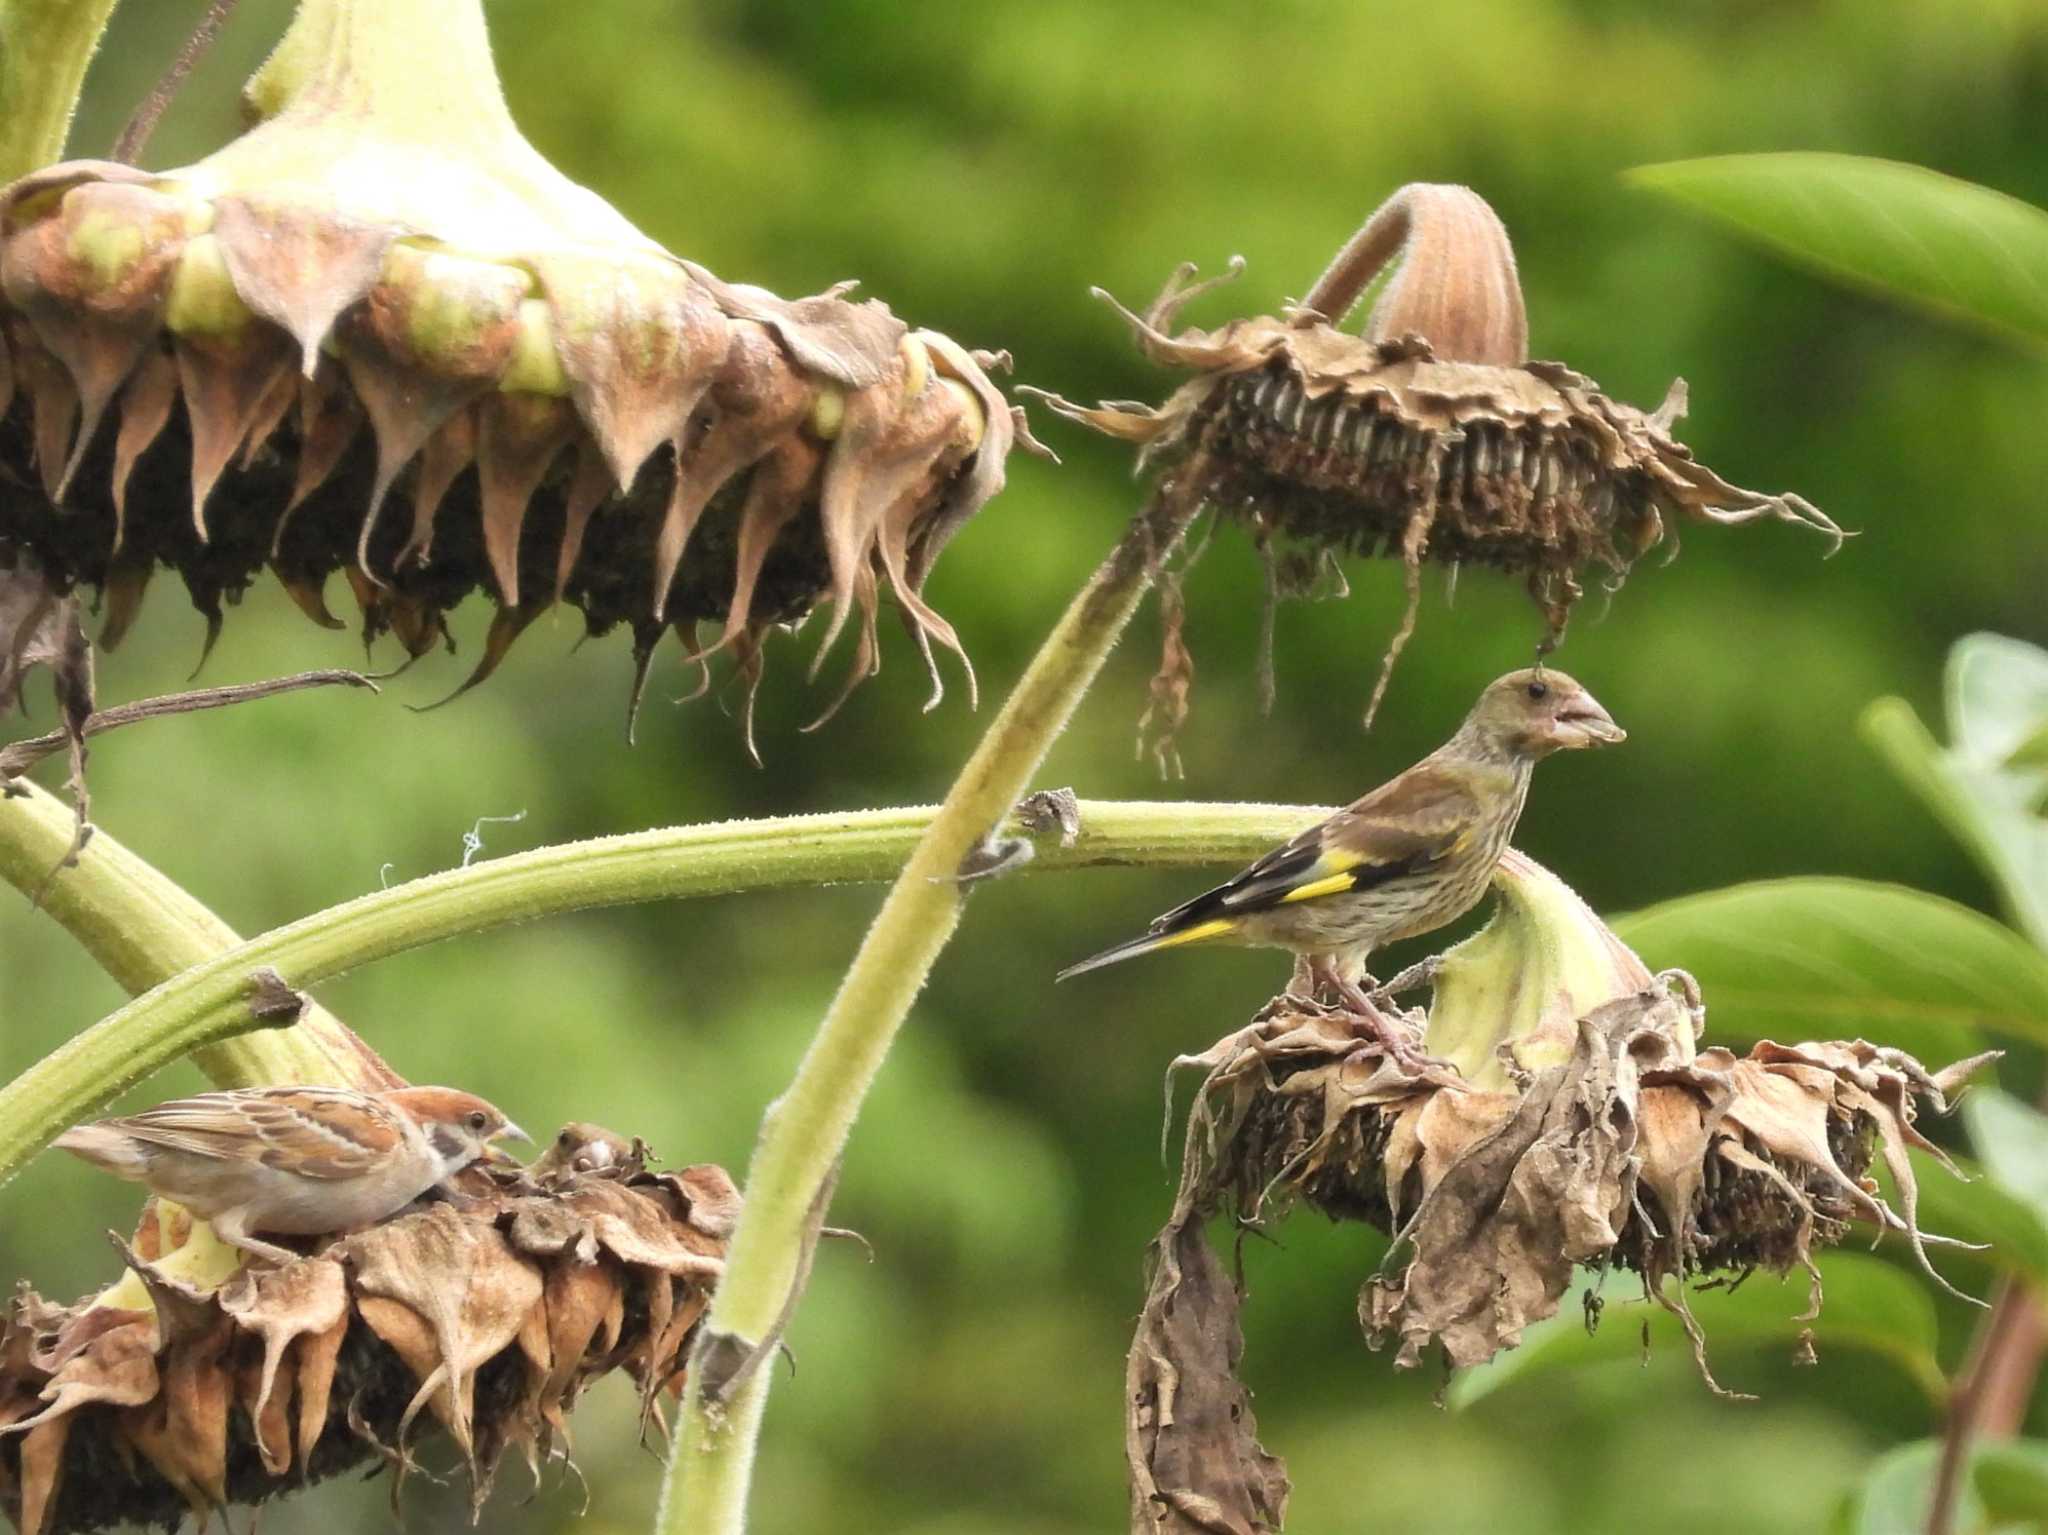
(979, 167)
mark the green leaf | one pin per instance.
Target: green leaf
(2012, 1476)
(2004, 1487)
(1869, 1305)
(1988, 786)
(1979, 1208)
(2013, 1141)
(1959, 249)
(1997, 696)
(1894, 1497)
(1816, 958)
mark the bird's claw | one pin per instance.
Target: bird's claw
(1397, 1039)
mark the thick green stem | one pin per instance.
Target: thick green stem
(419, 64)
(804, 1131)
(356, 82)
(208, 1003)
(143, 928)
(45, 46)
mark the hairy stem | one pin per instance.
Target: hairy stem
(208, 1003)
(804, 1131)
(143, 928)
(45, 46)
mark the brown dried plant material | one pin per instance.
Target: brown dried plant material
(441, 367)
(196, 1383)
(1196, 1464)
(1166, 709)
(1432, 437)
(1612, 1140)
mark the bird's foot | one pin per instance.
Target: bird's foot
(1398, 1039)
(256, 1247)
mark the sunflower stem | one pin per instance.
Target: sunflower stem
(423, 64)
(354, 80)
(129, 916)
(45, 46)
(804, 1132)
(142, 928)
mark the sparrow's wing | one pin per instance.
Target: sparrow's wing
(1403, 827)
(315, 1132)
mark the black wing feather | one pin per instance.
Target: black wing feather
(1279, 872)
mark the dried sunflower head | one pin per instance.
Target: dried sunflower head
(390, 340)
(1432, 436)
(195, 1383)
(1581, 1125)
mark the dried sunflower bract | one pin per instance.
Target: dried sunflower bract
(1432, 436)
(345, 343)
(195, 1383)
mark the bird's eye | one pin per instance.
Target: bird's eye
(479, 1120)
(1539, 690)
(565, 1139)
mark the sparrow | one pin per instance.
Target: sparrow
(298, 1161)
(1414, 854)
(586, 1148)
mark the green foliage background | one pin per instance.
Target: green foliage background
(980, 166)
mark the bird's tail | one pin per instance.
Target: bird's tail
(1199, 933)
(106, 1149)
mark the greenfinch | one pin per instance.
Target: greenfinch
(1411, 856)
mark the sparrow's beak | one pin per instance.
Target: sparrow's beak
(498, 1154)
(1585, 724)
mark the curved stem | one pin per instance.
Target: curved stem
(130, 917)
(804, 1132)
(143, 928)
(1456, 286)
(45, 46)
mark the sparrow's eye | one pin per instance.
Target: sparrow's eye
(479, 1121)
(565, 1139)
(1539, 690)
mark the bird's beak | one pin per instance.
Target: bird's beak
(496, 1153)
(1587, 724)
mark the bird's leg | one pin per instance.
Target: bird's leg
(1390, 1034)
(229, 1227)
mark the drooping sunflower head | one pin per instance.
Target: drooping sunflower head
(1429, 438)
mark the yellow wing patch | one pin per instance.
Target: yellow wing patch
(1334, 884)
(1214, 928)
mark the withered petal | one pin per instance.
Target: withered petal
(641, 342)
(145, 409)
(589, 487)
(451, 449)
(297, 266)
(225, 388)
(412, 1264)
(282, 1305)
(851, 344)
